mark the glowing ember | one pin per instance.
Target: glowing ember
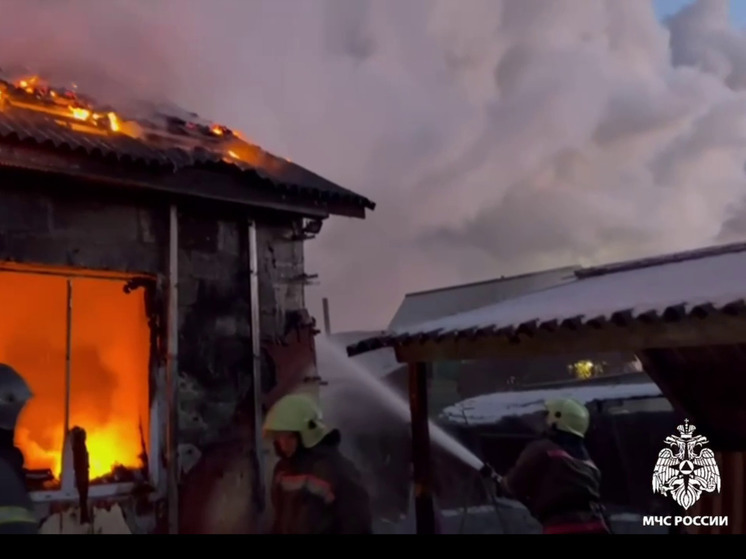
(34, 93)
(81, 114)
(113, 122)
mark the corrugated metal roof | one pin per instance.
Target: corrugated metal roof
(682, 283)
(42, 130)
(491, 408)
(437, 303)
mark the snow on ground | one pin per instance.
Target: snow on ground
(491, 408)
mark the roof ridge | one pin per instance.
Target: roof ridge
(647, 262)
(570, 269)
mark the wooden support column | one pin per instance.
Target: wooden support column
(421, 457)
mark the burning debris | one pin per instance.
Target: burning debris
(104, 398)
(71, 109)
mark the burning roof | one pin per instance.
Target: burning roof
(33, 109)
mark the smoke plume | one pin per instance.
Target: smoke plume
(496, 136)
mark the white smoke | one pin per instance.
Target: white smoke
(496, 136)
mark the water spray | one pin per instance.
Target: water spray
(401, 408)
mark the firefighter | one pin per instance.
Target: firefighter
(16, 510)
(555, 478)
(315, 489)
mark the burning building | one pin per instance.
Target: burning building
(152, 281)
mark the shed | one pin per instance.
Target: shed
(152, 281)
(682, 314)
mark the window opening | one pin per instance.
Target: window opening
(106, 354)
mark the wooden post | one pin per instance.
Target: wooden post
(421, 457)
(327, 321)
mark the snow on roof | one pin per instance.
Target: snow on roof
(491, 408)
(709, 276)
(434, 304)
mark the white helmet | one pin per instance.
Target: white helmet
(14, 393)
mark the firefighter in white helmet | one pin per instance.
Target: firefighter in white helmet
(555, 477)
(315, 489)
(16, 510)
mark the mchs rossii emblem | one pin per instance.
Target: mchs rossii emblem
(686, 468)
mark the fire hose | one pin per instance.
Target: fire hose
(492, 482)
(488, 473)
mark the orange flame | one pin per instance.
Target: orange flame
(69, 105)
(109, 395)
(114, 124)
(80, 113)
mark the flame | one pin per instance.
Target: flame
(79, 114)
(61, 102)
(114, 123)
(109, 395)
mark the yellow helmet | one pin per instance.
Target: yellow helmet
(567, 415)
(297, 413)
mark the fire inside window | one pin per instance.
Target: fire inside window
(586, 369)
(87, 368)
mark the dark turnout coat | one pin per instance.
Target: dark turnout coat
(16, 510)
(559, 484)
(319, 491)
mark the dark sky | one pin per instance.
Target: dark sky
(496, 136)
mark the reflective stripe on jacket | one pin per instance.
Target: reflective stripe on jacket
(319, 491)
(16, 508)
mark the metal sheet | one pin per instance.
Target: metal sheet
(438, 303)
(68, 352)
(256, 365)
(678, 285)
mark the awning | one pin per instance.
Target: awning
(665, 289)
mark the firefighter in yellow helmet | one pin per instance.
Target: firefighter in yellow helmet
(315, 489)
(555, 478)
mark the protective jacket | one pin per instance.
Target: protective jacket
(319, 491)
(16, 509)
(558, 482)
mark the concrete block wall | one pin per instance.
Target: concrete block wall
(67, 230)
(56, 226)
